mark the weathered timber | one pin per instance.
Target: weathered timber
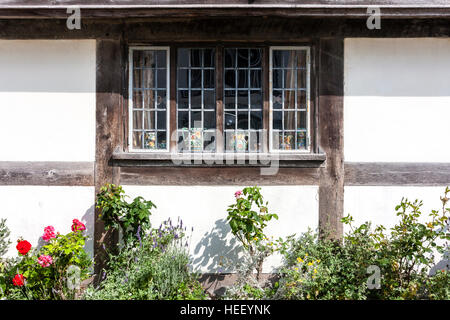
(331, 140)
(396, 174)
(217, 176)
(108, 130)
(51, 173)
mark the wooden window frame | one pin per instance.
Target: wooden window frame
(219, 46)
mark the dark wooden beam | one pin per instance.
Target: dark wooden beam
(108, 131)
(39, 173)
(331, 139)
(397, 174)
(217, 176)
(251, 29)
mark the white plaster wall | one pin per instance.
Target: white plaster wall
(47, 100)
(377, 204)
(29, 209)
(204, 208)
(397, 100)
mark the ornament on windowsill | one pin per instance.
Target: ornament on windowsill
(196, 139)
(301, 140)
(287, 142)
(239, 142)
(150, 140)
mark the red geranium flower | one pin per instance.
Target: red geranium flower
(18, 280)
(77, 225)
(23, 247)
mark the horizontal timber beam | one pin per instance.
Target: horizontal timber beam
(156, 30)
(217, 176)
(396, 174)
(38, 173)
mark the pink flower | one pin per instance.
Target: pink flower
(238, 194)
(45, 261)
(49, 233)
(77, 225)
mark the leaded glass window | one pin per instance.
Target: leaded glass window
(233, 98)
(149, 97)
(290, 98)
(196, 99)
(243, 99)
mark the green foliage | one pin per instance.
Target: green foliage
(118, 213)
(156, 268)
(246, 223)
(4, 263)
(437, 287)
(4, 238)
(320, 268)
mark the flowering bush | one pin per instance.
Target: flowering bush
(404, 258)
(155, 267)
(246, 223)
(43, 273)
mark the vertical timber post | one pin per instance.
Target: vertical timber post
(331, 138)
(108, 132)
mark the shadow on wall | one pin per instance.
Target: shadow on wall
(89, 220)
(217, 251)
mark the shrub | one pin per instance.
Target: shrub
(5, 264)
(319, 268)
(117, 213)
(248, 225)
(154, 268)
(4, 238)
(404, 257)
(44, 273)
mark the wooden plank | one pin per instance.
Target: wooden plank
(170, 31)
(331, 83)
(108, 130)
(39, 173)
(396, 174)
(217, 176)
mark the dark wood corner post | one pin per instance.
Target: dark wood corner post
(109, 104)
(331, 138)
